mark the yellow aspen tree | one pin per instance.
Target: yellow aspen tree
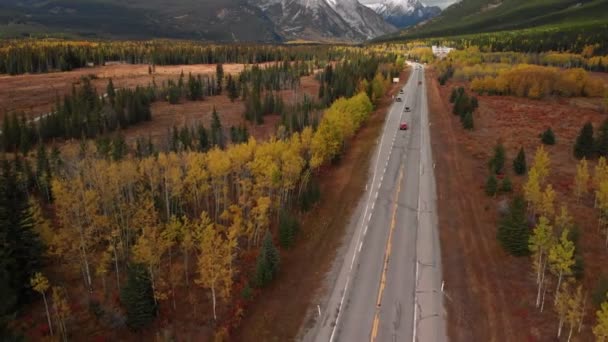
(542, 164)
(563, 220)
(600, 330)
(581, 180)
(149, 250)
(600, 172)
(71, 206)
(196, 182)
(562, 298)
(532, 191)
(171, 236)
(576, 312)
(214, 265)
(561, 257)
(218, 164)
(101, 269)
(601, 200)
(42, 226)
(260, 220)
(547, 207)
(61, 309)
(541, 242)
(187, 245)
(40, 284)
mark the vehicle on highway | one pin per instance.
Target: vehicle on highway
(407, 109)
(403, 126)
(401, 91)
(419, 82)
(398, 99)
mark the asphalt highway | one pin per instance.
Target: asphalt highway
(389, 286)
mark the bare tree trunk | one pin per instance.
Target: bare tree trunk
(186, 269)
(153, 286)
(559, 282)
(559, 328)
(542, 305)
(213, 295)
(570, 332)
(48, 315)
(116, 268)
(580, 322)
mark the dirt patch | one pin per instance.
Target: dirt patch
(35, 94)
(165, 115)
(278, 313)
(490, 295)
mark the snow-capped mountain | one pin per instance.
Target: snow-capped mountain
(403, 13)
(345, 20)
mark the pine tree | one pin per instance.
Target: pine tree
(497, 163)
(138, 298)
(268, 262)
(454, 95)
(111, 92)
(233, 92)
(217, 135)
(513, 232)
(219, 75)
(288, 227)
(584, 145)
(548, 138)
(602, 139)
(506, 185)
(467, 121)
(519, 163)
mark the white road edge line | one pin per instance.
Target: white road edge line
(333, 330)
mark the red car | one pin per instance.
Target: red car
(403, 126)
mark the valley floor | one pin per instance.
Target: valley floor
(489, 295)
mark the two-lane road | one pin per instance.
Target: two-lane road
(389, 285)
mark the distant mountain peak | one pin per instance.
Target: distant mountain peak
(324, 19)
(403, 13)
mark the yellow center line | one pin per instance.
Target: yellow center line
(387, 254)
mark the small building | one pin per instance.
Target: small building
(395, 79)
(441, 51)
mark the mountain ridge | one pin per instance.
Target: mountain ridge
(403, 13)
(214, 20)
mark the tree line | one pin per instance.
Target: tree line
(39, 56)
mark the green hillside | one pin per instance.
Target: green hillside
(478, 16)
(217, 20)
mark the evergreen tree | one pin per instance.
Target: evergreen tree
(602, 139)
(497, 163)
(454, 95)
(111, 92)
(513, 232)
(548, 138)
(203, 139)
(584, 145)
(519, 163)
(217, 135)
(233, 92)
(467, 121)
(268, 262)
(119, 147)
(491, 185)
(288, 227)
(506, 185)
(219, 75)
(138, 298)
(21, 252)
